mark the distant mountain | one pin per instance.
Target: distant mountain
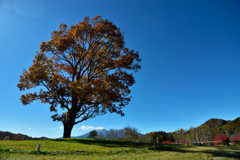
(209, 129)
(82, 136)
(221, 126)
(13, 136)
(232, 126)
(214, 123)
(42, 138)
(104, 133)
(112, 134)
(212, 127)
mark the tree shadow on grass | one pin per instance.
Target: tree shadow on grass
(106, 143)
(220, 152)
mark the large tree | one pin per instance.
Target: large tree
(84, 70)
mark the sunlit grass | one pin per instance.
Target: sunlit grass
(70, 149)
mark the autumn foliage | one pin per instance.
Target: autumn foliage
(168, 142)
(85, 70)
(236, 139)
(221, 140)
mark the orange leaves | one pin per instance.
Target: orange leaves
(63, 44)
(43, 47)
(62, 27)
(28, 98)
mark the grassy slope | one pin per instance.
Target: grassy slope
(106, 149)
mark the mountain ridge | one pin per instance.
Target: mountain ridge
(6, 135)
(215, 122)
(229, 127)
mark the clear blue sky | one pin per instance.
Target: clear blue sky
(190, 61)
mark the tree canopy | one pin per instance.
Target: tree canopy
(93, 134)
(85, 70)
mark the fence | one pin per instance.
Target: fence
(209, 142)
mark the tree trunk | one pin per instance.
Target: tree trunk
(67, 130)
(70, 119)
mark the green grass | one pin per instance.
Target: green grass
(71, 149)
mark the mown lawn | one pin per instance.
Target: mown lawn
(71, 149)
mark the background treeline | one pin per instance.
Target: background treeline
(128, 133)
(217, 130)
(208, 131)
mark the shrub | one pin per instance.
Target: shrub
(4, 150)
(221, 139)
(236, 139)
(183, 141)
(168, 142)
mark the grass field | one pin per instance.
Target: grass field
(71, 149)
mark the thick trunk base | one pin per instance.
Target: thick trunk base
(67, 131)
